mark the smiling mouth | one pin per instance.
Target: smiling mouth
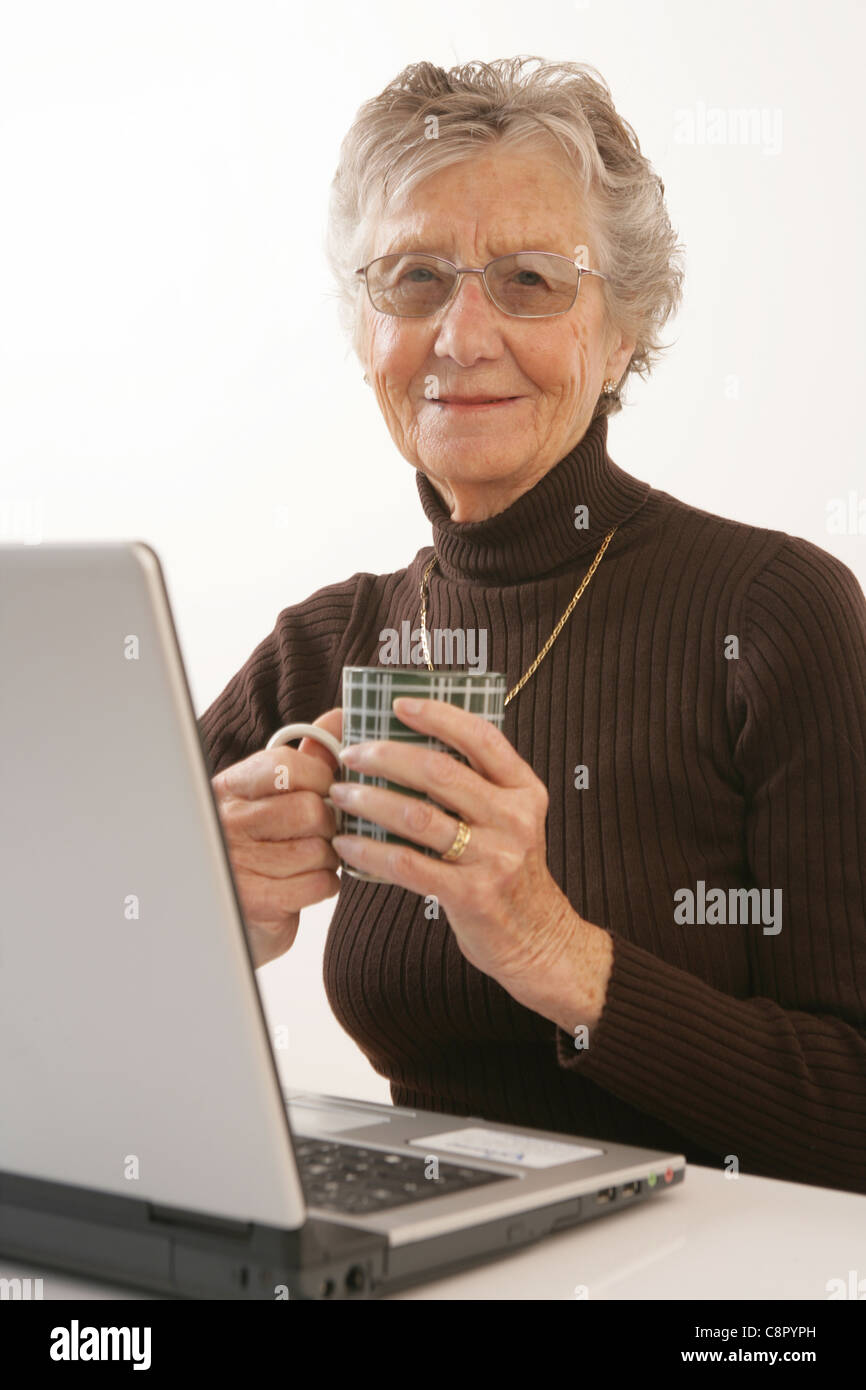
(475, 402)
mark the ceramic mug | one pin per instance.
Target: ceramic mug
(368, 692)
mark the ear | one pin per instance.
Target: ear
(619, 356)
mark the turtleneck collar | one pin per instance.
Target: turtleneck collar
(537, 533)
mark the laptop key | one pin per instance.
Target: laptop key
(356, 1180)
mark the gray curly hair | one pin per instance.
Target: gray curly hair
(387, 152)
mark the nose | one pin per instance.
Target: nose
(471, 323)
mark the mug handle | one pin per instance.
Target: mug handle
(289, 732)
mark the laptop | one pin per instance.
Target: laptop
(146, 1137)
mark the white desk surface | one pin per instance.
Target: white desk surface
(714, 1238)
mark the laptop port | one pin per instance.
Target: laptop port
(355, 1279)
(607, 1194)
(630, 1189)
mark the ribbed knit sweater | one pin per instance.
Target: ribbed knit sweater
(710, 763)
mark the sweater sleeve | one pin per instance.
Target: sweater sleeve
(292, 676)
(778, 1078)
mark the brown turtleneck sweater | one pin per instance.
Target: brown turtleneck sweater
(705, 771)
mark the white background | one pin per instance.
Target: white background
(170, 362)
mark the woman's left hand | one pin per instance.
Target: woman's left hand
(510, 918)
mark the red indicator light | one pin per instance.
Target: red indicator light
(669, 1175)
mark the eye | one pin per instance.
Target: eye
(532, 282)
(417, 270)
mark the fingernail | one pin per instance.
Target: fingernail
(353, 754)
(342, 791)
(408, 705)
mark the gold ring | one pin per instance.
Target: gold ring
(461, 840)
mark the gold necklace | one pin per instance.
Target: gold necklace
(551, 639)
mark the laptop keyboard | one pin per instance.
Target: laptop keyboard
(350, 1179)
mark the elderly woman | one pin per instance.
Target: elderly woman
(694, 729)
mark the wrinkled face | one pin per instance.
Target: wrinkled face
(547, 373)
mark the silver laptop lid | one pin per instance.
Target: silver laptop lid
(135, 1054)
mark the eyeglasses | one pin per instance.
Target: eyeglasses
(526, 285)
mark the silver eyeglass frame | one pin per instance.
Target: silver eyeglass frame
(461, 270)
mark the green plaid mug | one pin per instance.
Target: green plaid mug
(368, 692)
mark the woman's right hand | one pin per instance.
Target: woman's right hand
(278, 832)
